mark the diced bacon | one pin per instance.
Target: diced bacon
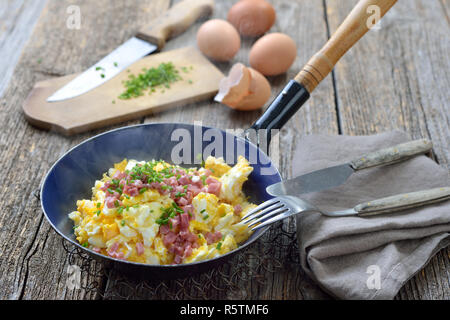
(112, 252)
(169, 238)
(114, 247)
(184, 221)
(182, 201)
(164, 229)
(184, 180)
(131, 190)
(187, 251)
(214, 188)
(195, 245)
(174, 222)
(189, 196)
(207, 172)
(195, 190)
(105, 186)
(213, 237)
(189, 209)
(177, 259)
(237, 209)
(172, 181)
(139, 248)
(119, 175)
(111, 202)
(115, 194)
(154, 185)
(179, 189)
(211, 180)
(120, 255)
(138, 184)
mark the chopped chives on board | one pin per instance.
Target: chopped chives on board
(162, 76)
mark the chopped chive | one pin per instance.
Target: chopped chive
(160, 76)
(142, 190)
(219, 246)
(180, 194)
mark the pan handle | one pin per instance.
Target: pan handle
(297, 91)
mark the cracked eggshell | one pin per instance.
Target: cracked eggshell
(235, 86)
(260, 92)
(243, 89)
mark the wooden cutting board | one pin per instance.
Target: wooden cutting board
(101, 106)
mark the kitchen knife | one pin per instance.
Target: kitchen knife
(149, 39)
(334, 176)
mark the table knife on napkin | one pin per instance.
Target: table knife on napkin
(334, 176)
(149, 39)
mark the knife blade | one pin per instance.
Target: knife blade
(149, 39)
(334, 176)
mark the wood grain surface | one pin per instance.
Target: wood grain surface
(396, 78)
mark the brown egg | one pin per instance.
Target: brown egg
(252, 17)
(273, 54)
(243, 89)
(218, 39)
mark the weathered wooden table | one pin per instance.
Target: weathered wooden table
(395, 78)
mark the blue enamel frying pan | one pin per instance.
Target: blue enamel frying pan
(73, 175)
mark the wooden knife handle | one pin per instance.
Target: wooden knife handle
(403, 201)
(175, 21)
(357, 23)
(393, 154)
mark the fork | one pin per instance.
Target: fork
(282, 207)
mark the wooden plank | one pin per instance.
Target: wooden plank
(17, 19)
(79, 114)
(396, 78)
(32, 260)
(304, 22)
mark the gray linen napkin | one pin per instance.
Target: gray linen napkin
(371, 257)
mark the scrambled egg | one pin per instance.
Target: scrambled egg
(157, 213)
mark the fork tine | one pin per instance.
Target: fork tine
(270, 216)
(257, 214)
(260, 207)
(274, 219)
